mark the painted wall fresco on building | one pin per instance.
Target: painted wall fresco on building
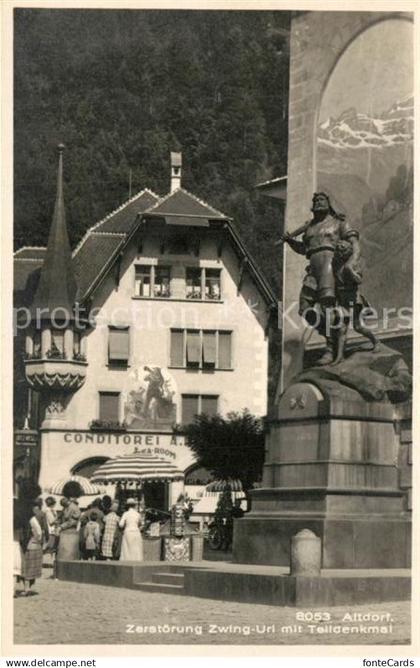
(365, 154)
(149, 404)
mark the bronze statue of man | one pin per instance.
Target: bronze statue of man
(322, 236)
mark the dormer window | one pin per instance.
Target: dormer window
(203, 283)
(152, 281)
(193, 288)
(143, 281)
(212, 284)
(162, 280)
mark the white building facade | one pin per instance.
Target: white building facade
(175, 322)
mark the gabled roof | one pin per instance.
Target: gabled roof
(122, 219)
(93, 257)
(103, 243)
(30, 253)
(275, 188)
(183, 203)
(26, 273)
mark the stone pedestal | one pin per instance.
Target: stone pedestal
(330, 467)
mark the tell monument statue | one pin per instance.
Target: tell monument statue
(330, 295)
(332, 442)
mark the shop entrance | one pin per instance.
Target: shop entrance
(156, 495)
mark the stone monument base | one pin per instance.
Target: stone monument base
(331, 467)
(348, 541)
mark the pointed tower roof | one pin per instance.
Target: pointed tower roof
(57, 284)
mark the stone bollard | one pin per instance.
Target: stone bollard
(305, 558)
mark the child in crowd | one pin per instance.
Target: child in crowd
(92, 536)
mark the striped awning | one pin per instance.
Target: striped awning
(86, 486)
(221, 485)
(136, 467)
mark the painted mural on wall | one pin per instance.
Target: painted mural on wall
(365, 154)
(150, 403)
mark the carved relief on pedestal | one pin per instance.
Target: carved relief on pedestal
(56, 407)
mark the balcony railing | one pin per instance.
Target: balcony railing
(54, 355)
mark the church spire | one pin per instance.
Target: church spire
(57, 284)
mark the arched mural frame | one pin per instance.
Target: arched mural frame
(314, 56)
(376, 21)
(362, 162)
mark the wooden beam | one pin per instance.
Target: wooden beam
(118, 270)
(242, 269)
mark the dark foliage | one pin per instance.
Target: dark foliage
(229, 447)
(123, 88)
(72, 489)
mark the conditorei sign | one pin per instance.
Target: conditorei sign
(159, 444)
(122, 438)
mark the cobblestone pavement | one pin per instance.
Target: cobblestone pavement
(72, 613)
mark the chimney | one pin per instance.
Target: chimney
(176, 165)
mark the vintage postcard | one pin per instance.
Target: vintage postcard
(209, 240)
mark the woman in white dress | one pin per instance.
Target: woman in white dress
(132, 543)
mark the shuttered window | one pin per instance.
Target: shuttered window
(119, 344)
(189, 407)
(209, 349)
(203, 349)
(195, 404)
(177, 347)
(209, 404)
(225, 350)
(193, 348)
(109, 406)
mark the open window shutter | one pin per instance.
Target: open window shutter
(193, 347)
(119, 348)
(177, 347)
(209, 348)
(109, 406)
(189, 407)
(225, 350)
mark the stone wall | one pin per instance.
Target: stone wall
(405, 456)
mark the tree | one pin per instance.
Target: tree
(229, 447)
(123, 88)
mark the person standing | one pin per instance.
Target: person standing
(92, 536)
(51, 517)
(32, 562)
(68, 545)
(18, 555)
(111, 521)
(70, 516)
(132, 543)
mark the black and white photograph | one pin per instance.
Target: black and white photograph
(213, 256)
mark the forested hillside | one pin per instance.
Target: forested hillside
(123, 88)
